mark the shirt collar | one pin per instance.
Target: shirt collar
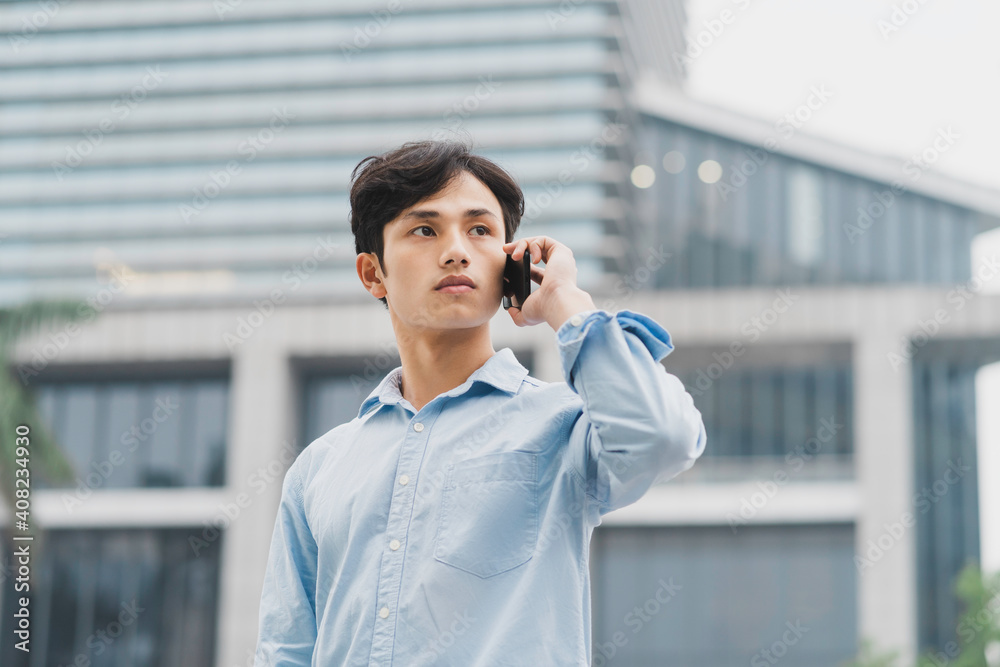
(502, 371)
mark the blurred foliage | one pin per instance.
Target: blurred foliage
(16, 402)
(978, 627)
(868, 658)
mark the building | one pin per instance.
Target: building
(185, 165)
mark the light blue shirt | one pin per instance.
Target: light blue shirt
(459, 534)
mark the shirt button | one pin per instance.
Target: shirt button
(576, 321)
(418, 427)
(404, 479)
(384, 612)
(394, 545)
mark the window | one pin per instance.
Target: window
(775, 407)
(140, 430)
(805, 215)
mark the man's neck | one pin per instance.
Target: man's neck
(436, 362)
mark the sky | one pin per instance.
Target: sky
(898, 72)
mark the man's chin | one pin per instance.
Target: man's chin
(451, 314)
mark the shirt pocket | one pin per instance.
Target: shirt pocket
(489, 513)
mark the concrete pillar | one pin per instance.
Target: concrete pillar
(883, 449)
(263, 406)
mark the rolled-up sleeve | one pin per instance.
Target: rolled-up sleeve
(287, 632)
(639, 425)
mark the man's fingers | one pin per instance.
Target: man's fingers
(540, 247)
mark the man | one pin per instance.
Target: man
(449, 523)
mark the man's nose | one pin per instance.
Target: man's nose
(455, 248)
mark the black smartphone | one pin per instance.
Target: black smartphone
(516, 280)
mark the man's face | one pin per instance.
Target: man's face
(458, 231)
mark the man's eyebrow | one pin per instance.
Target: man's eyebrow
(470, 213)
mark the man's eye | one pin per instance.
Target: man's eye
(476, 227)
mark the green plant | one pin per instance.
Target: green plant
(977, 627)
(979, 623)
(16, 404)
(867, 657)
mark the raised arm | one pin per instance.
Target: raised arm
(639, 425)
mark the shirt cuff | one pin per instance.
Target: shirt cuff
(573, 332)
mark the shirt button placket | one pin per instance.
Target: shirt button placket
(400, 507)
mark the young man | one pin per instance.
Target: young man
(449, 523)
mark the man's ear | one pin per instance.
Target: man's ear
(370, 273)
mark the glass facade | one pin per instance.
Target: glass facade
(945, 490)
(769, 219)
